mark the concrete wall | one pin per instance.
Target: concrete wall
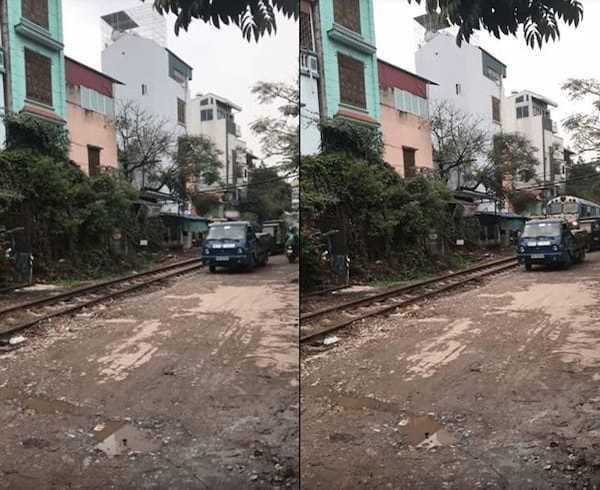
(531, 127)
(89, 128)
(310, 136)
(135, 61)
(403, 129)
(18, 43)
(332, 47)
(226, 143)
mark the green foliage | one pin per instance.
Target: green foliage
(583, 180)
(584, 128)
(522, 201)
(512, 157)
(279, 135)
(204, 202)
(255, 18)
(339, 135)
(267, 196)
(538, 19)
(67, 214)
(196, 157)
(23, 131)
(381, 216)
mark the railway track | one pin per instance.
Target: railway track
(26, 315)
(324, 321)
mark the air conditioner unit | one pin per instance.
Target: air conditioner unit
(309, 64)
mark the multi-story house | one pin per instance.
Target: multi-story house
(154, 78)
(349, 85)
(91, 118)
(310, 90)
(214, 117)
(33, 59)
(405, 123)
(468, 78)
(528, 113)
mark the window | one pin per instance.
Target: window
(520, 98)
(522, 112)
(206, 115)
(410, 169)
(406, 102)
(38, 74)
(496, 109)
(221, 113)
(93, 161)
(347, 14)
(458, 89)
(144, 89)
(36, 11)
(180, 111)
(352, 81)
(306, 37)
(204, 102)
(97, 102)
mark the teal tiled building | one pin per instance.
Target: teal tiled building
(349, 61)
(33, 49)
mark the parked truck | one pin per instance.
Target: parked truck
(278, 230)
(551, 242)
(234, 244)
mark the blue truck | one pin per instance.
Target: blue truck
(551, 242)
(233, 244)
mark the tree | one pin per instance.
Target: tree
(268, 194)
(143, 142)
(458, 141)
(196, 158)
(255, 18)
(583, 180)
(511, 159)
(584, 128)
(279, 136)
(538, 19)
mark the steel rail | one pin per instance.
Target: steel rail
(325, 291)
(85, 289)
(401, 289)
(94, 301)
(406, 302)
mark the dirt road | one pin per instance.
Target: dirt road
(493, 387)
(193, 385)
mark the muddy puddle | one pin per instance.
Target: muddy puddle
(41, 405)
(116, 438)
(424, 431)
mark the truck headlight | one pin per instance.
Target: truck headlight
(555, 248)
(522, 249)
(206, 251)
(241, 251)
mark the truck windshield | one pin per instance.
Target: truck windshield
(226, 232)
(533, 230)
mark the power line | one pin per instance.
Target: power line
(249, 184)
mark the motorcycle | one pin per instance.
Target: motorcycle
(291, 254)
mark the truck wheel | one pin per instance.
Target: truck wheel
(251, 263)
(527, 267)
(212, 268)
(568, 261)
(266, 260)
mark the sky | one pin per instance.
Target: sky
(223, 62)
(543, 71)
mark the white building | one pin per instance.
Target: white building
(154, 77)
(214, 117)
(310, 135)
(528, 114)
(468, 77)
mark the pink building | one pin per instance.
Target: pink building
(91, 118)
(405, 120)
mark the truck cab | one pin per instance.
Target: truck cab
(550, 242)
(233, 244)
